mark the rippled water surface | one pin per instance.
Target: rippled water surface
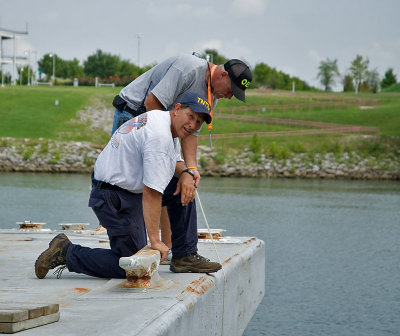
(332, 247)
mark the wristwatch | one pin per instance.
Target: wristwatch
(189, 171)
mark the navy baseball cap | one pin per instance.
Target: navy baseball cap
(197, 104)
(240, 76)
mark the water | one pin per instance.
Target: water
(332, 247)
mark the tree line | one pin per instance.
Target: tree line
(109, 68)
(106, 67)
(358, 78)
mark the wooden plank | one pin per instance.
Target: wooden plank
(13, 327)
(33, 310)
(8, 315)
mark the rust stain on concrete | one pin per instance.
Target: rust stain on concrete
(199, 286)
(227, 261)
(250, 240)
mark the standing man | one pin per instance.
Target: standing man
(139, 170)
(161, 87)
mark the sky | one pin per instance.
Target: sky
(293, 36)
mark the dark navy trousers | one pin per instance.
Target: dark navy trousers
(121, 213)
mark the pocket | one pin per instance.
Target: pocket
(113, 200)
(95, 202)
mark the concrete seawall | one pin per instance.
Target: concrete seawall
(27, 155)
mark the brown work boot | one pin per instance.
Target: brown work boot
(55, 255)
(193, 263)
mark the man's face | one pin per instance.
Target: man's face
(222, 86)
(186, 122)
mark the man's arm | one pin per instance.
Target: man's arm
(189, 149)
(151, 213)
(152, 103)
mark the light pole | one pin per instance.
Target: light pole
(20, 75)
(28, 52)
(34, 68)
(54, 67)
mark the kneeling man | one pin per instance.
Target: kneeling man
(139, 171)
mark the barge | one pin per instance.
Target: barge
(220, 303)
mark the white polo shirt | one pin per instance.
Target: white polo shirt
(141, 152)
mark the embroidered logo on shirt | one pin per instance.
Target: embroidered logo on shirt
(129, 125)
(126, 128)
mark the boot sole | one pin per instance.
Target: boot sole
(39, 275)
(42, 255)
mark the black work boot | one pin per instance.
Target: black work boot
(55, 255)
(193, 263)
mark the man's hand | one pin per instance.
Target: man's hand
(196, 178)
(186, 186)
(160, 246)
(189, 149)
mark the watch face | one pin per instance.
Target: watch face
(191, 172)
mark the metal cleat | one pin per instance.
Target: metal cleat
(73, 226)
(140, 267)
(28, 225)
(216, 234)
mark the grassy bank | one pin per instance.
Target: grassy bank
(31, 112)
(50, 112)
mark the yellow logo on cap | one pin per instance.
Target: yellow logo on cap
(204, 103)
(245, 82)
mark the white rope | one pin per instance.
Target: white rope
(219, 259)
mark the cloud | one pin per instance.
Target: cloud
(211, 44)
(382, 55)
(49, 17)
(249, 7)
(172, 48)
(290, 70)
(314, 56)
(179, 11)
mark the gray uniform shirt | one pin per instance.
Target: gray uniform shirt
(168, 81)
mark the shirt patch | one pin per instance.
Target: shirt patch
(127, 127)
(137, 122)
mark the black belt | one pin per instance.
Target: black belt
(104, 185)
(122, 106)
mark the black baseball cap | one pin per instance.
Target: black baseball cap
(197, 104)
(240, 76)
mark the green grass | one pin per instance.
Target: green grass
(392, 88)
(386, 115)
(30, 112)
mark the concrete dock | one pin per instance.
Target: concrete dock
(221, 303)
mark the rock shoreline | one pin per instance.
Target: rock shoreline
(41, 155)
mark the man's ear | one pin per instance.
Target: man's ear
(224, 73)
(177, 107)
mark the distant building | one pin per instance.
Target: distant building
(14, 59)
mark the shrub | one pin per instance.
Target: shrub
(219, 158)
(88, 161)
(255, 145)
(297, 147)
(256, 158)
(56, 157)
(28, 153)
(44, 147)
(203, 162)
